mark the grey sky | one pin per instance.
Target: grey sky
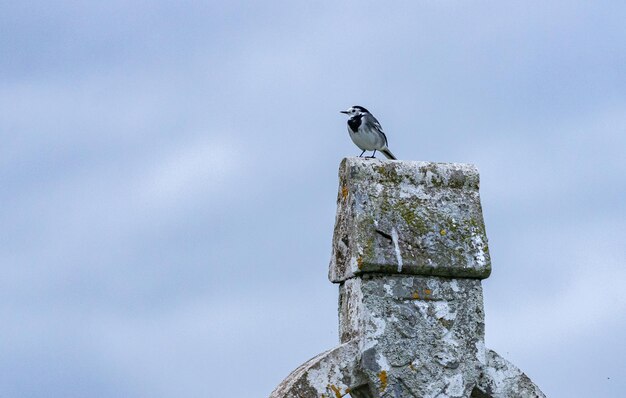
(169, 175)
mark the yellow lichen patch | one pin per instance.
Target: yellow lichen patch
(336, 390)
(412, 367)
(359, 262)
(383, 380)
(443, 232)
(428, 291)
(415, 295)
(344, 192)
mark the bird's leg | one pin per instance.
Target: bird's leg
(362, 153)
(373, 154)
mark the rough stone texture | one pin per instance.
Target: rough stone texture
(424, 334)
(325, 375)
(409, 252)
(410, 218)
(500, 378)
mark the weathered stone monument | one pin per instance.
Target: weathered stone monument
(409, 252)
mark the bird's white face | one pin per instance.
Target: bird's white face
(352, 111)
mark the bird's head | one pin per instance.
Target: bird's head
(355, 111)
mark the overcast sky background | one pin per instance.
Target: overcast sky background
(168, 177)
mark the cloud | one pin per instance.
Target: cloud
(583, 295)
(535, 169)
(199, 169)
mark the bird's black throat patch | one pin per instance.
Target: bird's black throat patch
(354, 122)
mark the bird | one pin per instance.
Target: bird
(366, 132)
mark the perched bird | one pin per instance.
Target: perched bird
(366, 132)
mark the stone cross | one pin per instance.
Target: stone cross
(409, 253)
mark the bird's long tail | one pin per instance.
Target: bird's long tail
(388, 153)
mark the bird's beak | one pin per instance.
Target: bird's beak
(346, 112)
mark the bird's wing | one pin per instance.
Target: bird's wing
(376, 124)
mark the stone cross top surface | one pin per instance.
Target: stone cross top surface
(409, 253)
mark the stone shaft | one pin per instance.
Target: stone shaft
(411, 328)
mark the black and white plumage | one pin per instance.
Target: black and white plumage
(366, 132)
